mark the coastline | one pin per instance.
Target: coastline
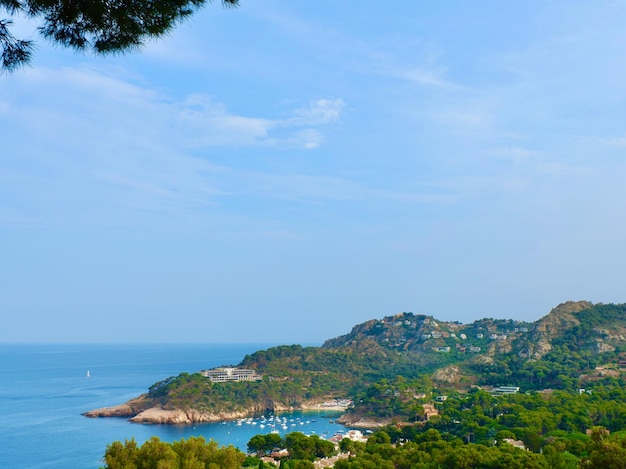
(141, 410)
(159, 415)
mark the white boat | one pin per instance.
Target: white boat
(88, 374)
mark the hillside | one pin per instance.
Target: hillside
(573, 343)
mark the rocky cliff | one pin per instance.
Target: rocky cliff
(546, 329)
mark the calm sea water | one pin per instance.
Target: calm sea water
(45, 388)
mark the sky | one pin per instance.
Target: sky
(282, 171)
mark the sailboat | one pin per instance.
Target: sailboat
(88, 374)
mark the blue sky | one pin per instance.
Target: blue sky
(284, 170)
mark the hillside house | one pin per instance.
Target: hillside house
(502, 390)
(224, 374)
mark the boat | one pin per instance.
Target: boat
(88, 374)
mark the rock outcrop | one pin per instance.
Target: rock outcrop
(363, 422)
(137, 411)
(143, 410)
(159, 415)
(122, 410)
(450, 374)
(552, 325)
(128, 409)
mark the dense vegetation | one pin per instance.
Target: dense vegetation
(558, 429)
(433, 450)
(297, 444)
(197, 453)
(292, 375)
(194, 453)
(395, 368)
(577, 338)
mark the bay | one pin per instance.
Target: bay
(44, 389)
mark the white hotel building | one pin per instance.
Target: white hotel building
(224, 374)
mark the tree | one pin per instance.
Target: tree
(257, 445)
(121, 456)
(157, 454)
(194, 453)
(262, 444)
(100, 26)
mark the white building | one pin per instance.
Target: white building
(221, 375)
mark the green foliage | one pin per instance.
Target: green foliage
(251, 461)
(100, 26)
(194, 453)
(305, 447)
(299, 446)
(121, 456)
(15, 52)
(384, 364)
(472, 429)
(431, 451)
(392, 399)
(298, 464)
(470, 432)
(262, 444)
(606, 451)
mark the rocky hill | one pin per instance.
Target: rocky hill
(576, 341)
(597, 328)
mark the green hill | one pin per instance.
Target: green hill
(410, 355)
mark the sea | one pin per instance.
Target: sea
(44, 389)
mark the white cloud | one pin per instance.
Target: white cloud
(424, 77)
(322, 111)
(97, 101)
(309, 139)
(126, 147)
(200, 122)
(513, 153)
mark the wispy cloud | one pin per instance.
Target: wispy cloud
(513, 153)
(113, 103)
(321, 111)
(612, 141)
(424, 77)
(129, 146)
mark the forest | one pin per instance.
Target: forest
(556, 429)
(570, 411)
